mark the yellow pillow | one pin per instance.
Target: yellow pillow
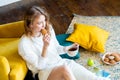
(89, 37)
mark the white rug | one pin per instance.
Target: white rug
(109, 23)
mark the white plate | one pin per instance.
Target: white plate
(108, 62)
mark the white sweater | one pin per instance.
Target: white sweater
(30, 48)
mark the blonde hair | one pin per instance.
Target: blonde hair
(31, 14)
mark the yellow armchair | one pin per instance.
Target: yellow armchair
(12, 66)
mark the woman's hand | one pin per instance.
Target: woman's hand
(75, 45)
(46, 40)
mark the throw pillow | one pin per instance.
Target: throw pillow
(89, 37)
(62, 41)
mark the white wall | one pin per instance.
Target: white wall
(6, 2)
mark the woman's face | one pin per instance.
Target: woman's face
(39, 23)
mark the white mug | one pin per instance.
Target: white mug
(72, 50)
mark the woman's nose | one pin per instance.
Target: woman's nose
(42, 27)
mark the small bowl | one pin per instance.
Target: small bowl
(103, 57)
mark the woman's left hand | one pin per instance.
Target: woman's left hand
(75, 45)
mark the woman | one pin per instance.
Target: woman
(41, 52)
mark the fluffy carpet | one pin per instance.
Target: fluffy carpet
(109, 23)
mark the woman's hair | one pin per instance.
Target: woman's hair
(31, 14)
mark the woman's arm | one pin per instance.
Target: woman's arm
(61, 49)
(29, 55)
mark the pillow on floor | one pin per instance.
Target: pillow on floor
(89, 37)
(62, 41)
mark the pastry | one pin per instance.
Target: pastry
(43, 31)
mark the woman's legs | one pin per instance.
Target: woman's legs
(61, 73)
(81, 72)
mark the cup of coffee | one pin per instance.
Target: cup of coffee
(72, 51)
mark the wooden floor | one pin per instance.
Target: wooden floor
(61, 11)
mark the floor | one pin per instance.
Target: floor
(61, 11)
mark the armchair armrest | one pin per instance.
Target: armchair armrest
(12, 30)
(4, 68)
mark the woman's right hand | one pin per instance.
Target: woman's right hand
(46, 40)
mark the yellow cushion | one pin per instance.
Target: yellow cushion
(12, 30)
(9, 49)
(18, 69)
(4, 68)
(89, 37)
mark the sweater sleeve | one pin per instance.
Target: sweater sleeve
(29, 55)
(60, 48)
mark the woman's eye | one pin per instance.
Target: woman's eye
(39, 23)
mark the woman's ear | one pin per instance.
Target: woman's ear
(31, 26)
